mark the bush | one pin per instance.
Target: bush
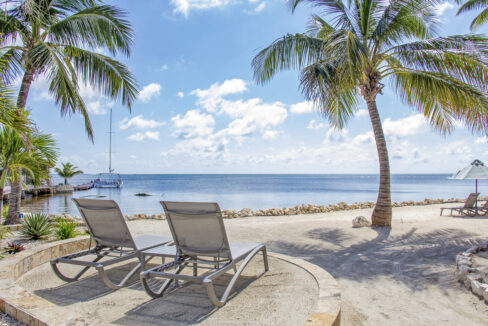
(36, 226)
(13, 248)
(4, 231)
(4, 212)
(65, 230)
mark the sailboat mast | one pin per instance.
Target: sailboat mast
(110, 145)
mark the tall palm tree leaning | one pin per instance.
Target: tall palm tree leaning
(469, 5)
(363, 44)
(54, 38)
(68, 171)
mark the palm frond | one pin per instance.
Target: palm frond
(95, 26)
(289, 52)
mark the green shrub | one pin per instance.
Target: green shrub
(36, 226)
(65, 230)
(4, 212)
(13, 248)
(4, 231)
(59, 219)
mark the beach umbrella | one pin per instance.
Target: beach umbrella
(476, 170)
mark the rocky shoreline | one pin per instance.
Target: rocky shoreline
(296, 210)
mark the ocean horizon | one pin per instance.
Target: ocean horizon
(255, 191)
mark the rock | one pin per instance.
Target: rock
(142, 194)
(485, 295)
(360, 221)
(473, 249)
(478, 288)
(463, 271)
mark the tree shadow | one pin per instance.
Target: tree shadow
(412, 258)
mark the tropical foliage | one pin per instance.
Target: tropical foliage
(68, 171)
(15, 157)
(36, 226)
(13, 248)
(56, 39)
(470, 5)
(65, 230)
(358, 46)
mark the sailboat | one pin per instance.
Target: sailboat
(110, 179)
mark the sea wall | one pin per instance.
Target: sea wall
(295, 210)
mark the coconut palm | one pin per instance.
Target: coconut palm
(68, 171)
(56, 38)
(34, 161)
(470, 5)
(360, 45)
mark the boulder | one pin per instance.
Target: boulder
(360, 221)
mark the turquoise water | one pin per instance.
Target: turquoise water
(255, 191)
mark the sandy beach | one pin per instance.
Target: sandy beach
(402, 276)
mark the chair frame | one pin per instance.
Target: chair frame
(217, 266)
(469, 207)
(116, 253)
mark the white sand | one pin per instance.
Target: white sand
(405, 276)
(402, 276)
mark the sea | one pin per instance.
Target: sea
(255, 191)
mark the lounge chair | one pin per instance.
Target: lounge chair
(483, 209)
(201, 242)
(112, 240)
(469, 207)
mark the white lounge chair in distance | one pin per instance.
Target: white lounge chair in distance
(200, 241)
(113, 241)
(468, 208)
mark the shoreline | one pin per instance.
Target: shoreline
(295, 210)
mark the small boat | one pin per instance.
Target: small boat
(110, 179)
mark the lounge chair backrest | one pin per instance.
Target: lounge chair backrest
(106, 223)
(198, 229)
(471, 200)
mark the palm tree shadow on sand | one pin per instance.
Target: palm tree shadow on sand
(414, 259)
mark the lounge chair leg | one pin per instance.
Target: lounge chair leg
(159, 293)
(195, 269)
(223, 300)
(112, 285)
(54, 266)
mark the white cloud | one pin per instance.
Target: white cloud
(180, 94)
(457, 148)
(335, 135)
(149, 91)
(184, 6)
(302, 107)
(260, 7)
(164, 67)
(414, 124)
(141, 136)
(361, 113)
(138, 122)
(252, 115)
(270, 134)
(211, 98)
(96, 108)
(441, 8)
(315, 125)
(193, 124)
(481, 140)
(366, 138)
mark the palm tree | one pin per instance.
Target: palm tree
(34, 161)
(367, 43)
(68, 171)
(469, 5)
(54, 38)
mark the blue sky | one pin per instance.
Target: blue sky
(199, 110)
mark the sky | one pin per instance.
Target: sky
(199, 110)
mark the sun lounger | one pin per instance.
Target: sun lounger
(113, 242)
(469, 207)
(201, 242)
(483, 209)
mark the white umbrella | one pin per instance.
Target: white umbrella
(476, 170)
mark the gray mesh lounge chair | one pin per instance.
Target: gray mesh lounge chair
(201, 242)
(468, 208)
(112, 239)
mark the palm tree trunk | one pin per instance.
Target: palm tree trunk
(382, 211)
(14, 202)
(1, 205)
(16, 190)
(65, 181)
